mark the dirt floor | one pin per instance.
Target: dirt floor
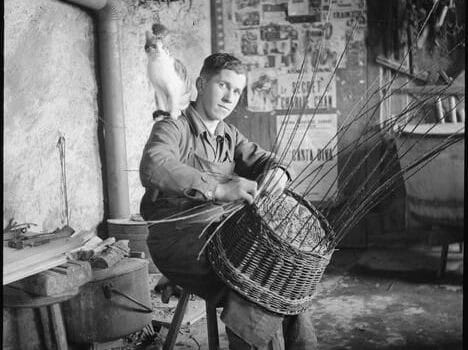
(368, 299)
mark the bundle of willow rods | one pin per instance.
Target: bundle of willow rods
(385, 174)
(275, 251)
(294, 223)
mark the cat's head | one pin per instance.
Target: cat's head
(154, 46)
(156, 42)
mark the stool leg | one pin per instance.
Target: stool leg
(443, 261)
(212, 326)
(45, 327)
(176, 321)
(28, 335)
(58, 327)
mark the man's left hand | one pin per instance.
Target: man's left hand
(273, 182)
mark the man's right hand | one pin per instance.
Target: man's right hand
(239, 188)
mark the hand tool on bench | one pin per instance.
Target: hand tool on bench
(29, 239)
(13, 229)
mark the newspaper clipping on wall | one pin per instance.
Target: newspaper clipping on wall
(279, 38)
(309, 145)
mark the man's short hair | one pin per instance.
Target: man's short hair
(216, 62)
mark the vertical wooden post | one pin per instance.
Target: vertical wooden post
(212, 325)
(453, 109)
(45, 327)
(176, 321)
(58, 326)
(440, 110)
(443, 260)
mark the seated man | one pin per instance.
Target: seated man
(199, 159)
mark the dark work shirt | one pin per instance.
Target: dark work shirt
(168, 171)
(165, 164)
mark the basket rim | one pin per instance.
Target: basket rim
(323, 222)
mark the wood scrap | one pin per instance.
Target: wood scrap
(104, 245)
(111, 255)
(387, 63)
(88, 251)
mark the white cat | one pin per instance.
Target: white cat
(173, 88)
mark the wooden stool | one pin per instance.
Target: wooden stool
(211, 320)
(49, 309)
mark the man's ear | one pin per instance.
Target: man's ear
(200, 84)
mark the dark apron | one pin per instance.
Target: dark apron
(175, 246)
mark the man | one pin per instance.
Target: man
(199, 159)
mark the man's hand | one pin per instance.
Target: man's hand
(239, 188)
(273, 182)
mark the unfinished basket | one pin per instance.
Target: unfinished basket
(253, 259)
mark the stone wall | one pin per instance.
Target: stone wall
(51, 90)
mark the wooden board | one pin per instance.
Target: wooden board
(18, 264)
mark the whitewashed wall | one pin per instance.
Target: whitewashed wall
(190, 42)
(50, 89)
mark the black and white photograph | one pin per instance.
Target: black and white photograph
(233, 174)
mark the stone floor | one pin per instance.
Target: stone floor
(373, 299)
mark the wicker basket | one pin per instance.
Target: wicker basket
(249, 257)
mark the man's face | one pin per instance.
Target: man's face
(219, 95)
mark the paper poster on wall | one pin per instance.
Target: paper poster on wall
(349, 21)
(298, 7)
(301, 11)
(249, 42)
(262, 90)
(264, 36)
(242, 4)
(319, 47)
(311, 149)
(246, 13)
(322, 91)
(273, 13)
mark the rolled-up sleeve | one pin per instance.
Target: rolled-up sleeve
(161, 166)
(251, 160)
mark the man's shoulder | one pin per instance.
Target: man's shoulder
(180, 124)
